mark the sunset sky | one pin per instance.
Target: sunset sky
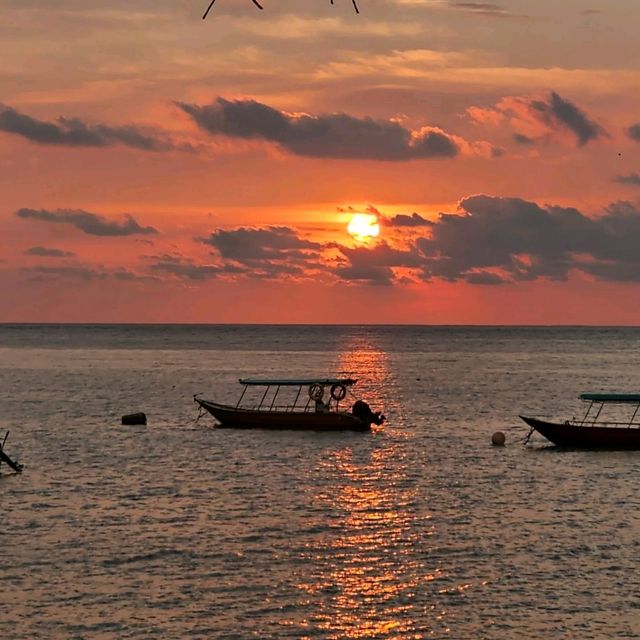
(157, 167)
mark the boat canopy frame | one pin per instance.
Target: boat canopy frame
(294, 382)
(600, 399)
(344, 382)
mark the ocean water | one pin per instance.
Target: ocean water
(419, 529)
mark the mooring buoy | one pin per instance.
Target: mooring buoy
(134, 418)
(498, 439)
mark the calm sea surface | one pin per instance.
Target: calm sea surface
(420, 529)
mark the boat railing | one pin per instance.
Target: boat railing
(603, 423)
(304, 404)
(298, 408)
(597, 402)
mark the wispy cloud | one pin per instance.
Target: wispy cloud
(45, 252)
(630, 178)
(489, 9)
(188, 269)
(89, 223)
(83, 272)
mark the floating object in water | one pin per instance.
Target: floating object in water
(134, 418)
(498, 439)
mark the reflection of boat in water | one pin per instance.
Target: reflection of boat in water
(591, 432)
(310, 411)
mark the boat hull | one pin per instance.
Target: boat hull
(587, 437)
(236, 417)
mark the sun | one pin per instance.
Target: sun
(364, 226)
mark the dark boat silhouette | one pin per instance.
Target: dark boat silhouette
(591, 432)
(307, 412)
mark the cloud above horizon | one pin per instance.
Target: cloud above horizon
(45, 252)
(335, 135)
(489, 9)
(514, 240)
(493, 240)
(630, 178)
(489, 240)
(74, 132)
(89, 223)
(634, 132)
(535, 119)
(267, 252)
(82, 272)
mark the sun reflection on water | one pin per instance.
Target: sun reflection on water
(366, 361)
(366, 573)
(366, 568)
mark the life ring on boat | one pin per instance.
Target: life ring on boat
(316, 391)
(338, 391)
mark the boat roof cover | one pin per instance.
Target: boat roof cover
(611, 397)
(283, 382)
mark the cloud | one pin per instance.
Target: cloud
(376, 275)
(565, 113)
(514, 239)
(494, 241)
(539, 119)
(89, 223)
(404, 220)
(189, 270)
(83, 272)
(484, 277)
(73, 132)
(630, 178)
(247, 245)
(49, 253)
(520, 138)
(337, 135)
(482, 8)
(268, 252)
(634, 132)
(373, 264)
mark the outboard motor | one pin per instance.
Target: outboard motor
(363, 411)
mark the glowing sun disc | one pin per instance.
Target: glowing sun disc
(363, 225)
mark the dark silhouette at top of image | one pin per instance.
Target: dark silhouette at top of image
(355, 6)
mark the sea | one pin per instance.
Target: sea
(419, 529)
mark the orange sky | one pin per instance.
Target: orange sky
(155, 167)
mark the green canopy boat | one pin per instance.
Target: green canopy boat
(318, 404)
(593, 432)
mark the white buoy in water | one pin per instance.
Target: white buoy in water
(498, 439)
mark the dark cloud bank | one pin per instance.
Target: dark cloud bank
(498, 240)
(489, 241)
